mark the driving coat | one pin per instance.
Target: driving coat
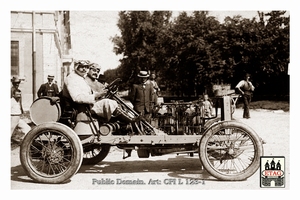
(77, 89)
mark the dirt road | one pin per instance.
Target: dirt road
(169, 171)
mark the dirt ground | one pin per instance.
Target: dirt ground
(168, 171)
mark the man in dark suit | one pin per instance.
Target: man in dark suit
(49, 89)
(142, 95)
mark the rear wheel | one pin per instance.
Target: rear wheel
(94, 153)
(230, 151)
(51, 153)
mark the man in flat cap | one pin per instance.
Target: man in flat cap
(15, 81)
(19, 128)
(49, 89)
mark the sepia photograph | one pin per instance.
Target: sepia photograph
(150, 99)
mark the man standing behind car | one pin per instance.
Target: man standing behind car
(49, 89)
(245, 88)
(152, 79)
(16, 113)
(141, 95)
(15, 81)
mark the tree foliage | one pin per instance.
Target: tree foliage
(191, 52)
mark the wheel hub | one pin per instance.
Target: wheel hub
(231, 151)
(53, 153)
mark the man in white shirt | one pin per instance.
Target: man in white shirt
(16, 112)
(245, 88)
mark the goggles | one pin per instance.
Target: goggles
(95, 69)
(82, 64)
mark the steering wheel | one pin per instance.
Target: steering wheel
(113, 87)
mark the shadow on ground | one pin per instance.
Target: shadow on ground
(178, 167)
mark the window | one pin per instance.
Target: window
(14, 57)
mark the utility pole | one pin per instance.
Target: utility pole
(33, 57)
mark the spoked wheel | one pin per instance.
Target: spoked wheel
(51, 153)
(230, 151)
(94, 153)
(210, 122)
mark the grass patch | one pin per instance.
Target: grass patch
(269, 105)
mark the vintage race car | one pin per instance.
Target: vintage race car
(54, 150)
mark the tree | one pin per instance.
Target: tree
(191, 52)
(140, 43)
(274, 54)
(191, 57)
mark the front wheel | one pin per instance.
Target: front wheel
(51, 153)
(210, 122)
(230, 151)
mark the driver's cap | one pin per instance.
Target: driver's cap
(78, 63)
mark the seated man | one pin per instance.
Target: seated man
(77, 90)
(92, 78)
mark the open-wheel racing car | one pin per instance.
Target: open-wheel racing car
(58, 144)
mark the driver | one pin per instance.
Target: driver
(77, 90)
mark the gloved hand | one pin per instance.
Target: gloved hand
(100, 95)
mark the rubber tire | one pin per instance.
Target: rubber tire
(230, 124)
(210, 122)
(97, 158)
(77, 153)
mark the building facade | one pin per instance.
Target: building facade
(40, 46)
